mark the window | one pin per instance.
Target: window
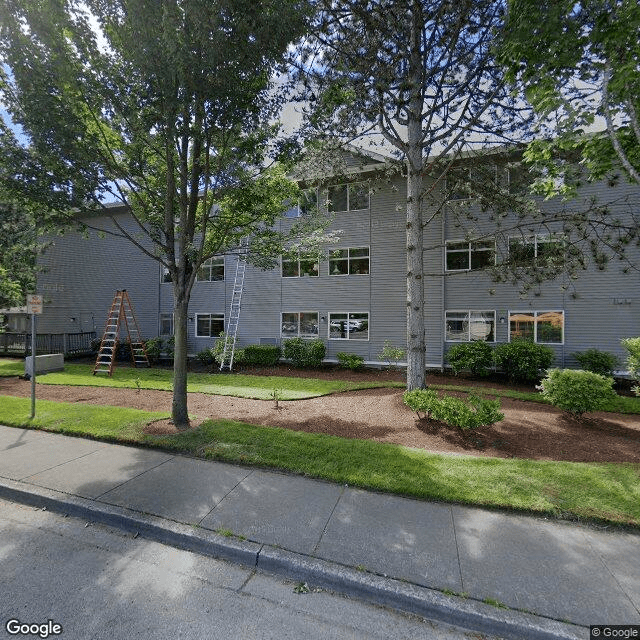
(464, 256)
(166, 324)
(301, 324)
(465, 183)
(166, 276)
(349, 262)
(537, 326)
(349, 326)
(209, 325)
(348, 197)
(211, 270)
(299, 267)
(539, 249)
(465, 326)
(307, 203)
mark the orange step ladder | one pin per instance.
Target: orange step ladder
(121, 312)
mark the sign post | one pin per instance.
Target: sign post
(34, 307)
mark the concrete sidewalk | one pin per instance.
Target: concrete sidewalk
(445, 562)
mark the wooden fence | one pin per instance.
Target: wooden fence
(70, 344)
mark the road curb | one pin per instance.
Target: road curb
(389, 592)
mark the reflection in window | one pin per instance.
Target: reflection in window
(343, 262)
(537, 326)
(464, 256)
(542, 250)
(299, 267)
(300, 325)
(209, 325)
(349, 326)
(348, 197)
(211, 270)
(465, 326)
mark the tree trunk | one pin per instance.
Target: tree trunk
(179, 413)
(416, 367)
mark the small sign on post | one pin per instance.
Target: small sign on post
(34, 307)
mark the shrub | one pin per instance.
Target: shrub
(391, 354)
(596, 361)
(577, 391)
(169, 347)
(206, 356)
(523, 361)
(632, 345)
(266, 355)
(350, 361)
(476, 357)
(304, 353)
(153, 349)
(475, 412)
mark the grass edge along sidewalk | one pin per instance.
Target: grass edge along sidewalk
(598, 492)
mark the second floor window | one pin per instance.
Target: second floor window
(536, 249)
(464, 256)
(211, 270)
(299, 267)
(349, 262)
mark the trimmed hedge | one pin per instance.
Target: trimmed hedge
(523, 361)
(266, 355)
(304, 353)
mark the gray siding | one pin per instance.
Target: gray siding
(600, 308)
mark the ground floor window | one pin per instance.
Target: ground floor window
(209, 325)
(300, 324)
(537, 326)
(349, 326)
(465, 326)
(166, 324)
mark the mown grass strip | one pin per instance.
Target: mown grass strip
(604, 492)
(10, 367)
(243, 386)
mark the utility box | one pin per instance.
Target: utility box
(44, 364)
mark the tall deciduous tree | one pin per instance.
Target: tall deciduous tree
(579, 62)
(422, 75)
(164, 106)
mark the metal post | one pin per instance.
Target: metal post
(33, 366)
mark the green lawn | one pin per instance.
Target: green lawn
(10, 367)
(603, 492)
(222, 384)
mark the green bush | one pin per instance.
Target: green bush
(391, 354)
(475, 412)
(206, 356)
(476, 357)
(350, 361)
(153, 349)
(577, 391)
(632, 345)
(304, 353)
(266, 355)
(523, 361)
(596, 361)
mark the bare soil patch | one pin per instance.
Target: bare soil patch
(529, 430)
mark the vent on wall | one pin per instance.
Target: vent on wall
(269, 341)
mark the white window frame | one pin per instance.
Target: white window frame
(299, 334)
(349, 319)
(171, 318)
(300, 275)
(469, 251)
(218, 316)
(349, 186)
(535, 238)
(469, 172)
(469, 313)
(165, 277)
(210, 263)
(535, 323)
(348, 260)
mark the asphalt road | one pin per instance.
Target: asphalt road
(97, 582)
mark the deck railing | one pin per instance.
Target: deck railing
(70, 344)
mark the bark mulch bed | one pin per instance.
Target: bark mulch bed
(529, 430)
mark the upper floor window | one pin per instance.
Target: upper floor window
(307, 203)
(297, 267)
(343, 262)
(166, 276)
(211, 270)
(464, 256)
(348, 197)
(537, 326)
(166, 324)
(536, 249)
(466, 326)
